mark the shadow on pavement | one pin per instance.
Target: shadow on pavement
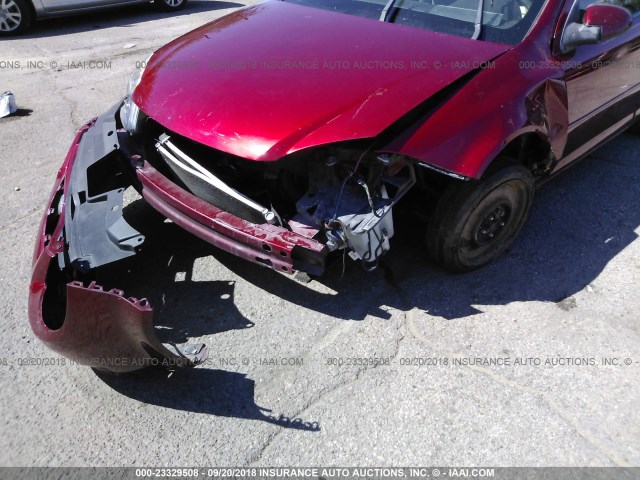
(580, 222)
(21, 112)
(185, 308)
(201, 390)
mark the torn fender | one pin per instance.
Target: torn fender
(90, 325)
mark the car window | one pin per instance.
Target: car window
(504, 21)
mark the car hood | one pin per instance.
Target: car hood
(275, 78)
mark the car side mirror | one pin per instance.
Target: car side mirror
(601, 21)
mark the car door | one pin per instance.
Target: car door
(77, 5)
(603, 84)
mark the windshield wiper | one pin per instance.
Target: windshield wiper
(478, 26)
(385, 11)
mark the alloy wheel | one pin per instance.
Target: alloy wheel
(11, 16)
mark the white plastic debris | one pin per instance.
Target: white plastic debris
(7, 104)
(129, 45)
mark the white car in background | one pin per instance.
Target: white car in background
(16, 15)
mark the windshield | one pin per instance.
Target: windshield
(503, 21)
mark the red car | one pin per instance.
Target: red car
(288, 132)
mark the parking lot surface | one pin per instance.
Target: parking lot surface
(532, 361)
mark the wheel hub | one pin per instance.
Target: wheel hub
(492, 224)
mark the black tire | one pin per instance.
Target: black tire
(15, 17)
(169, 5)
(474, 222)
(635, 127)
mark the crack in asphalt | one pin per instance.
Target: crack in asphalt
(325, 392)
(559, 410)
(73, 106)
(13, 221)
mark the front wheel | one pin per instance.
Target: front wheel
(169, 5)
(15, 17)
(474, 222)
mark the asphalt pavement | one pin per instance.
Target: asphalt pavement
(353, 369)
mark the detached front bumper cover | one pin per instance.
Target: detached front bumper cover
(82, 229)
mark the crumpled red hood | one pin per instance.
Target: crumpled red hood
(275, 78)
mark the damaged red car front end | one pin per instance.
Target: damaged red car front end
(83, 229)
(294, 145)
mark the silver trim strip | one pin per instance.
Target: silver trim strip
(169, 151)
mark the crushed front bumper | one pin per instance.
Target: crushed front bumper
(265, 244)
(83, 229)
